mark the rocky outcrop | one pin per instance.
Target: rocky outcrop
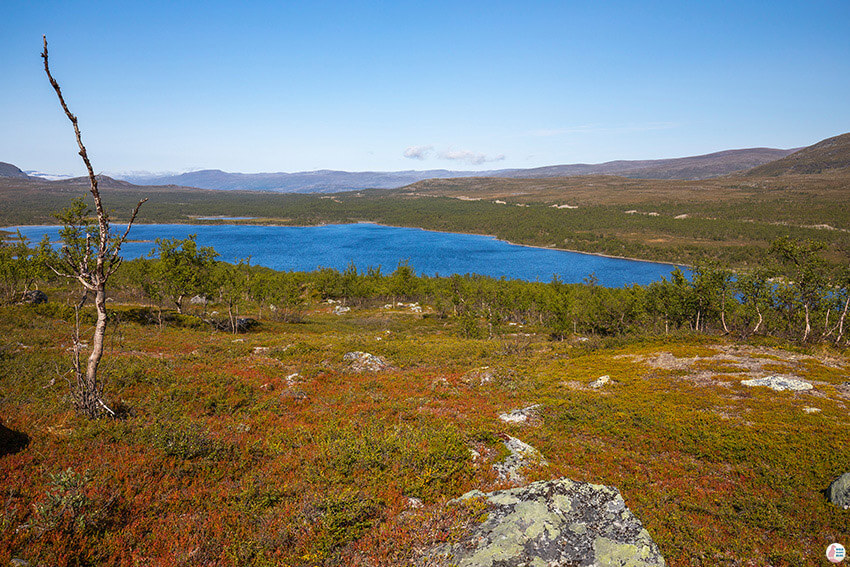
(839, 491)
(555, 523)
(779, 383)
(365, 362)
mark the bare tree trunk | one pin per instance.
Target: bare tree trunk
(808, 325)
(841, 321)
(758, 325)
(99, 334)
(87, 395)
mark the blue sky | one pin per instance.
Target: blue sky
(293, 86)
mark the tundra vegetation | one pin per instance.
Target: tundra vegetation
(239, 443)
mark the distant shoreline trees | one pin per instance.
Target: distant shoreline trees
(794, 297)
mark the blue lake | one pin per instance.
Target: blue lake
(372, 245)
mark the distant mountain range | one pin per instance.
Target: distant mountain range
(828, 155)
(330, 181)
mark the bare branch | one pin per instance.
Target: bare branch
(126, 232)
(71, 117)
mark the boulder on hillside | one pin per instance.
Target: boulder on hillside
(555, 523)
(839, 491)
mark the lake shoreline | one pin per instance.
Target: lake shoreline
(272, 223)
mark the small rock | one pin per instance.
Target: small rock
(35, 297)
(339, 310)
(260, 349)
(521, 455)
(551, 523)
(267, 387)
(486, 375)
(779, 383)
(411, 502)
(811, 410)
(520, 415)
(17, 562)
(294, 394)
(198, 300)
(363, 361)
(601, 381)
(292, 378)
(839, 491)
(481, 375)
(238, 341)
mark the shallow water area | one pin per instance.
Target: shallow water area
(305, 248)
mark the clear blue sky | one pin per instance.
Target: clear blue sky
(291, 86)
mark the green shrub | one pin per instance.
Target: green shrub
(186, 440)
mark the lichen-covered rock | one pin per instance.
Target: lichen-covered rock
(779, 383)
(365, 362)
(558, 523)
(839, 491)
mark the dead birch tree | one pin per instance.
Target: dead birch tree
(91, 267)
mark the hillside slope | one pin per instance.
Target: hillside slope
(830, 155)
(9, 170)
(686, 168)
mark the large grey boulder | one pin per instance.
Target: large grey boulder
(839, 491)
(557, 523)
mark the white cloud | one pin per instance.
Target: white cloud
(418, 152)
(470, 157)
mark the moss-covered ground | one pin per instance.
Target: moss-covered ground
(264, 448)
